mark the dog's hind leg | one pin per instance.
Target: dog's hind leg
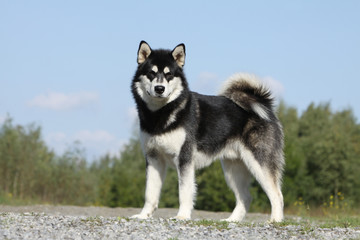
(269, 181)
(155, 174)
(272, 188)
(238, 179)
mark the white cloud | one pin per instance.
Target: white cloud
(206, 83)
(61, 101)
(210, 83)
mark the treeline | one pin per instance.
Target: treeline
(30, 171)
(322, 150)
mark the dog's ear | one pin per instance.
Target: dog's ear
(143, 52)
(179, 54)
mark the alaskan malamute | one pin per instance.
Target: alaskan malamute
(189, 131)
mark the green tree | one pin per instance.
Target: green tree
(331, 142)
(213, 192)
(23, 157)
(29, 170)
(295, 167)
(122, 180)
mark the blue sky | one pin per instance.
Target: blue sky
(67, 65)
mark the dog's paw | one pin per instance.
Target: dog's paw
(180, 218)
(276, 218)
(140, 216)
(272, 220)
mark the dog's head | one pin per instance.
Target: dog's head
(159, 78)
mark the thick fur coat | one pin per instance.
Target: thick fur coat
(187, 130)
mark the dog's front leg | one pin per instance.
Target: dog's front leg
(187, 191)
(155, 174)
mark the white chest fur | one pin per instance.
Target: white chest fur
(166, 146)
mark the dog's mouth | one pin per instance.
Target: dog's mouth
(158, 96)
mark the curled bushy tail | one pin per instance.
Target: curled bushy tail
(249, 93)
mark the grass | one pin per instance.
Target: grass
(339, 221)
(306, 224)
(219, 225)
(8, 199)
(334, 212)
(321, 222)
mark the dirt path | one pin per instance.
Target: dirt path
(121, 212)
(71, 222)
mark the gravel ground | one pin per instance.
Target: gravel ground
(69, 222)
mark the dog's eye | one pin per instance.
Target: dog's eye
(169, 76)
(151, 75)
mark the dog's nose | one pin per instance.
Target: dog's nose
(159, 89)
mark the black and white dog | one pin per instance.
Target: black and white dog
(189, 131)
